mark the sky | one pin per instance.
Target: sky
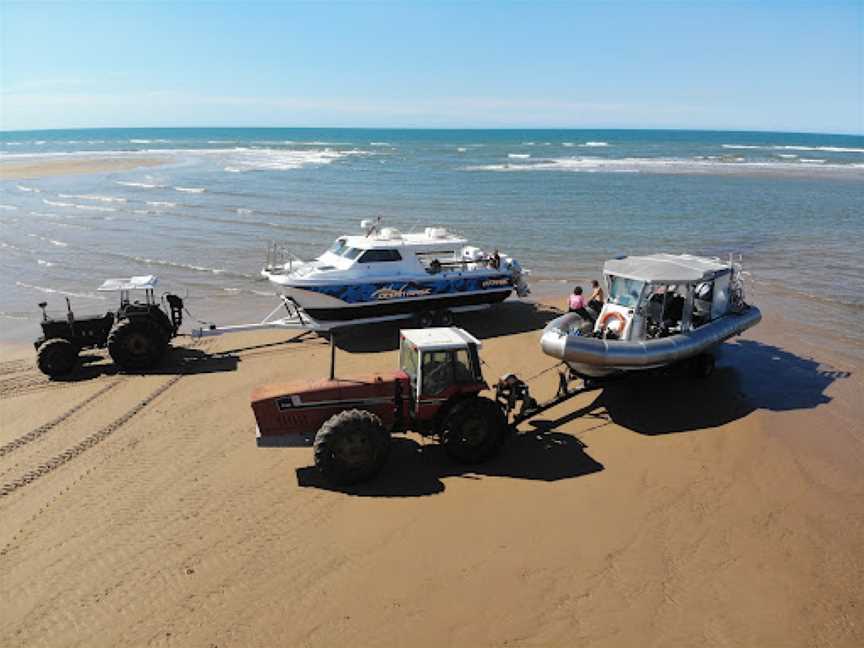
(736, 65)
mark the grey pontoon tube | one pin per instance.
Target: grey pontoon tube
(558, 342)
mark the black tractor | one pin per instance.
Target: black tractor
(137, 334)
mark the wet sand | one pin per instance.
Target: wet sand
(136, 510)
(22, 169)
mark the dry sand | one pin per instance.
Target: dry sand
(21, 170)
(656, 512)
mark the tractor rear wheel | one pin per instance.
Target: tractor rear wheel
(56, 357)
(473, 430)
(351, 446)
(136, 344)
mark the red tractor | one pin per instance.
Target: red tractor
(435, 392)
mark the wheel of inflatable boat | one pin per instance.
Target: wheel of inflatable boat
(444, 318)
(701, 366)
(424, 319)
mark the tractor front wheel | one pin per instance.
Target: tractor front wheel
(473, 430)
(56, 357)
(136, 344)
(351, 446)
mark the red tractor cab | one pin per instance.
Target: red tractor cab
(435, 392)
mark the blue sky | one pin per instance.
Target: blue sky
(699, 64)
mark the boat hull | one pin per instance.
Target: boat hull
(597, 357)
(394, 298)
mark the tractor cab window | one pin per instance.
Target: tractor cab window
(441, 369)
(408, 361)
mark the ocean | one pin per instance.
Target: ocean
(560, 201)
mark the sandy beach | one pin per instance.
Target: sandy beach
(24, 169)
(137, 510)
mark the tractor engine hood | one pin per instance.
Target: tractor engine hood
(298, 409)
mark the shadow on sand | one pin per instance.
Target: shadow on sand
(507, 318)
(178, 360)
(749, 376)
(414, 470)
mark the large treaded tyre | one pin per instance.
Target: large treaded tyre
(56, 357)
(136, 344)
(473, 430)
(351, 447)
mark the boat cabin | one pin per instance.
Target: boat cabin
(390, 251)
(662, 294)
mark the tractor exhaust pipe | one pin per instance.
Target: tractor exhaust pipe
(332, 355)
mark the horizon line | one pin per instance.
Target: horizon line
(443, 128)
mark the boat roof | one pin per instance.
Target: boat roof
(439, 338)
(142, 282)
(389, 237)
(671, 268)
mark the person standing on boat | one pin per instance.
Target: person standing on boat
(597, 297)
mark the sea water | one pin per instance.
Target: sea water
(560, 201)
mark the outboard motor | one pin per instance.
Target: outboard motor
(518, 275)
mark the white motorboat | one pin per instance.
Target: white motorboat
(660, 310)
(383, 273)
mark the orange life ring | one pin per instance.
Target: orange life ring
(609, 315)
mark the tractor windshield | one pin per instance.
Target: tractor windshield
(441, 369)
(408, 361)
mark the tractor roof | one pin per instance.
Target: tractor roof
(143, 282)
(433, 339)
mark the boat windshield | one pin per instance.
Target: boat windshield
(351, 253)
(625, 292)
(338, 247)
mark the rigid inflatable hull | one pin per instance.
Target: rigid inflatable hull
(596, 357)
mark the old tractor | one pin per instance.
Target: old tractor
(435, 392)
(137, 334)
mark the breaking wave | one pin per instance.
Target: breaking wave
(108, 199)
(141, 185)
(9, 207)
(55, 291)
(795, 147)
(190, 189)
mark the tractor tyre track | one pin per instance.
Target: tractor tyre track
(85, 444)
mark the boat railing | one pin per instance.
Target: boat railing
(280, 259)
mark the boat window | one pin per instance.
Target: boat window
(338, 247)
(625, 292)
(377, 256)
(352, 253)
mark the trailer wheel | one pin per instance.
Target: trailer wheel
(444, 318)
(56, 357)
(351, 446)
(701, 366)
(424, 319)
(473, 430)
(136, 344)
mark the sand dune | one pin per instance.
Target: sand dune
(136, 510)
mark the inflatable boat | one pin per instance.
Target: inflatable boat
(660, 310)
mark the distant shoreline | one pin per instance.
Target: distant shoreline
(24, 170)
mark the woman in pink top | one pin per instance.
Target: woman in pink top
(576, 301)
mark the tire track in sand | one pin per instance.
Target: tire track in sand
(34, 434)
(85, 444)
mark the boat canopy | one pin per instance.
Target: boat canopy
(666, 268)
